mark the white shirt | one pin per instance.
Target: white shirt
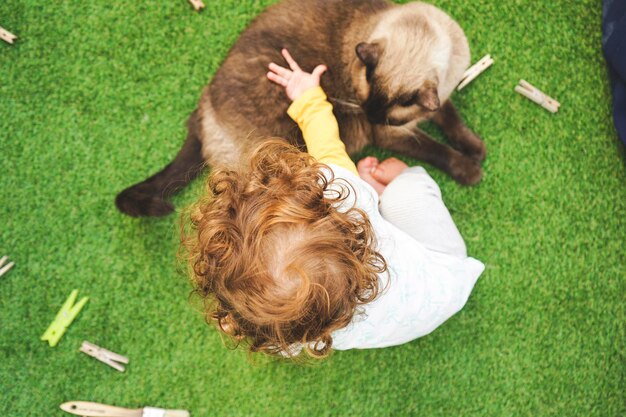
(424, 288)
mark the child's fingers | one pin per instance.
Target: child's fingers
(319, 71)
(292, 63)
(277, 79)
(283, 72)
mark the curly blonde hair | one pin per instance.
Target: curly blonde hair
(277, 260)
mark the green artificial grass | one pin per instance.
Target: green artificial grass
(93, 98)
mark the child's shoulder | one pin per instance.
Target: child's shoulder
(359, 193)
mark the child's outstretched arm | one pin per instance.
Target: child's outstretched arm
(312, 111)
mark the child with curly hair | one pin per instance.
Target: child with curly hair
(297, 251)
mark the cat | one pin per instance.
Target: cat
(390, 67)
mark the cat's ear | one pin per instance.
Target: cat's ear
(428, 97)
(369, 53)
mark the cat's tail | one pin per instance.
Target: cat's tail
(148, 198)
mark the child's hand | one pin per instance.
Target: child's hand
(295, 80)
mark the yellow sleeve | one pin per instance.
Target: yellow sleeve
(314, 115)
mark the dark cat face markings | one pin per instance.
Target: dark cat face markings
(401, 108)
(376, 105)
(398, 91)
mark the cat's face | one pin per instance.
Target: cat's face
(398, 74)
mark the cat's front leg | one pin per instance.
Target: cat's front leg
(415, 143)
(459, 135)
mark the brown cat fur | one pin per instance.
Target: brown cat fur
(390, 67)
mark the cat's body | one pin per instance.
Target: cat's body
(390, 67)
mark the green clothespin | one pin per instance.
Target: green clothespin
(64, 318)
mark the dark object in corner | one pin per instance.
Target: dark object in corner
(614, 44)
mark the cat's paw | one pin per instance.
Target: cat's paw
(477, 151)
(465, 170)
(472, 146)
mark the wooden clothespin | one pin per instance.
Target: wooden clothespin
(89, 409)
(64, 318)
(7, 36)
(105, 356)
(4, 269)
(534, 94)
(475, 70)
(197, 4)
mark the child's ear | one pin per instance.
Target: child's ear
(196, 215)
(226, 324)
(229, 326)
(370, 53)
